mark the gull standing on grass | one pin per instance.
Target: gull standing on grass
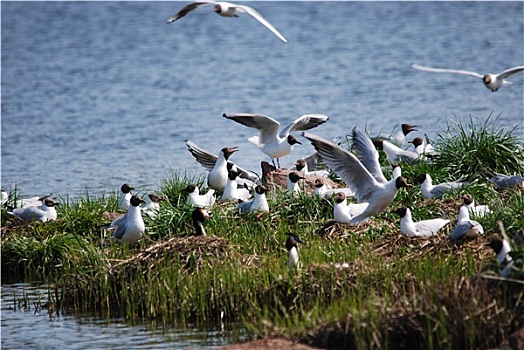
(291, 246)
(362, 175)
(436, 191)
(423, 228)
(227, 9)
(217, 177)
(271, 140)
(199, 216)
(491, 81)
(130, 228)
(292, 182)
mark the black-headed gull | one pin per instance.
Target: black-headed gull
(421, 148)
(199, 200)
(491, 81)
(130, 228)
(302, 167)
(292, 182)
(436, 191)
(342, 212)
(291, 246)
(364, 177)
(227, 9)
(476, 210)
(217, 177)
(322, 190)
(199, 216)
(502, 181)
(423, 228)
(209, 160)
(502, 248)
(271, 140)
(466, 228)
(396, 154)
(259, 203)
(399, 137)
(125, 196)
(232, 191)
(152, 204)
(42, 213)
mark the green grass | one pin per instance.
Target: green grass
(395, 292)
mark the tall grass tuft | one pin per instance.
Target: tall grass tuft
(472, 149)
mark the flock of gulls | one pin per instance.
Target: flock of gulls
(360, 170)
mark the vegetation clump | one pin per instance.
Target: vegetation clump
(359, 286)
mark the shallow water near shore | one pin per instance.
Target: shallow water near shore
(95, 94)
(27, 324)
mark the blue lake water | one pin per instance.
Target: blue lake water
(95, 94)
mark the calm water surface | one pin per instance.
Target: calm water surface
(95, 94)
(33, 328)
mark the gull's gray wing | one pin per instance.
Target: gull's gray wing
(121, 230)
(346, 166)
(367, 154)
(29, 213)
(251, 11)
(440, 189)
(304, 122)
(267, 126)
(442, 70)
(188, 8)
(509, 72)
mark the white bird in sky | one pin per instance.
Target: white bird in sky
(199, 200)
(271, 140)
(436, 191)
(130, 228)
(491, 81)
(423, 228)
(466, 228)
(227, 9)
(361, 173)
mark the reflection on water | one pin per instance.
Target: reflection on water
(28, 324)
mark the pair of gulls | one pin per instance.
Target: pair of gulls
(465, 228)
(227, 9)
(151, 203)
